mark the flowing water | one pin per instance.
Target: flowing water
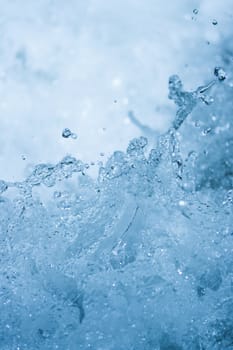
(139, 258)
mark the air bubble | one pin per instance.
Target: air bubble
(214, 22)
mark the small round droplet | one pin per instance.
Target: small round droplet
(195, 11)
(220, 73)
(214, 22)
(73, 136)
(66, 133)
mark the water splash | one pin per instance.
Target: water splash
(139, 258)
(186, 101)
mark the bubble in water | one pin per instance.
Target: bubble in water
(214, 22)
(220, 73)
(195, 11)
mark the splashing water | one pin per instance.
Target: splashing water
(139, 258)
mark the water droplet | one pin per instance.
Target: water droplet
(220, 73)
(73, 136)
(195, 11)
(214, 22)
(66, 133)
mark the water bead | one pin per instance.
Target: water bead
(66, 133)
(220, 73)
(73, 136)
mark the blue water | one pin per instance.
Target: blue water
(139, 257)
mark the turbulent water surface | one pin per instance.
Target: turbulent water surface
(139, 257)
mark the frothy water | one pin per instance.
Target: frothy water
(139, 258)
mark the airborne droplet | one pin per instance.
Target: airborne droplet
(66, 133)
